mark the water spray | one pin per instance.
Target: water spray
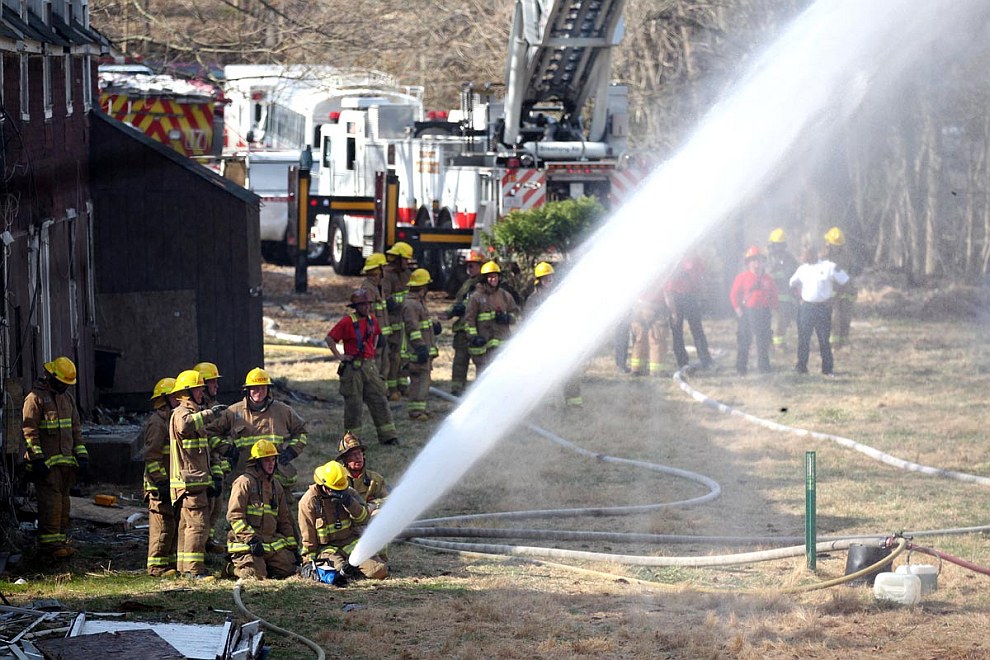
(803, 88)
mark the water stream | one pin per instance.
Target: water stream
(794, 97)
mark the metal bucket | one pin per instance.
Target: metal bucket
(860, 556)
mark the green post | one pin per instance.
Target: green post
(810, 536)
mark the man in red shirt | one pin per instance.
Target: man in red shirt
(753, 297)
(360, 382)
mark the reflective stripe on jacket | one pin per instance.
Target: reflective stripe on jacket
(258, 507)
(51, 427)
(325, 525)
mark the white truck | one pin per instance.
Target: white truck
(456, 177)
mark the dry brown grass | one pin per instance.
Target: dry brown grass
(915, 389)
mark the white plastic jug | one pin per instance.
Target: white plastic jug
(927, 573)
(903, 588)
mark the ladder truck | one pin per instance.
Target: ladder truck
(560, 132)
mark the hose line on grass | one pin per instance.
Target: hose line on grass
(872, 452)
(320, 655)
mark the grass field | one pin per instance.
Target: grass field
(911, 387)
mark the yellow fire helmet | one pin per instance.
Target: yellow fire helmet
(162, 387)
(834, 236)
(347, 443)
(333, 475)
(778, 236)
(420, 277)
(63, 369)
(490, 267)
(187, 380)
(542, 270)
(208, 369)
(374, 260)
(401, 249)
(263, 449)
(256, 377)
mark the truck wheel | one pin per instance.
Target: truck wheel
(344, 259)
(275, 252)
(318, 254)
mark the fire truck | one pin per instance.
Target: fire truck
(186, 115)
(559, 132)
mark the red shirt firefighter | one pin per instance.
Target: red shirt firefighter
(330, 516)
(162, 523)
(262, 540)
(56, 453)
(753, 297)
(360, 383)
(491, 311)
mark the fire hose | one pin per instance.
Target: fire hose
(239, 604)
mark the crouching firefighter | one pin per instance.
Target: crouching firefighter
(329, 515)
(261, 542)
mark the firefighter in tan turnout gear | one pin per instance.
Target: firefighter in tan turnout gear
(162, 524)
(261, 542)
(394, 288)
(56, 453)
(220, 447)
(418, 343)
(329, 514)
(259, 417)
(370, 485)
(462, 358)
(374, 277)
(490, 313)
(192, 479)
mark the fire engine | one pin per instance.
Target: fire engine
(186, 115)
(458, 174)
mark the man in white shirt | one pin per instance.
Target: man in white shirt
(815, 280)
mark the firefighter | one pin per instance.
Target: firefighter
(543, 283)
(258, 416)
(162, 525)
(360, 382)
(330, 514)
(374, 273)
(220, 446)
(845, 294)
(490, 313)
(459, 368)
(370, 485)
(781, 264)
(56, 453)
(682, 295)
(394, 288)
(648, 327)
(418, 343)
(193, 479)
(753, 297)
(262, 538)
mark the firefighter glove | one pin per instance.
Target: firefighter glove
(458, 309)
(287, 455)
(257, 547)
(503, 318)
(342, 496)
(163, 492)
(298, 557)
(219, 408)
(232, 454)
(437, 328)
(478, 341)
(391, 305)
(82, 473)
(39, 468)
(380, 343)
(422, 355)
(214, 489)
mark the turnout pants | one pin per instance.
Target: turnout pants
(193, 512)
(53, 506)
(279, 564)
(419, 385)
(649, 336)
(162, 535)
(360, 385)
(459, 368)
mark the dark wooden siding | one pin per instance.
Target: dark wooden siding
(178, 246)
